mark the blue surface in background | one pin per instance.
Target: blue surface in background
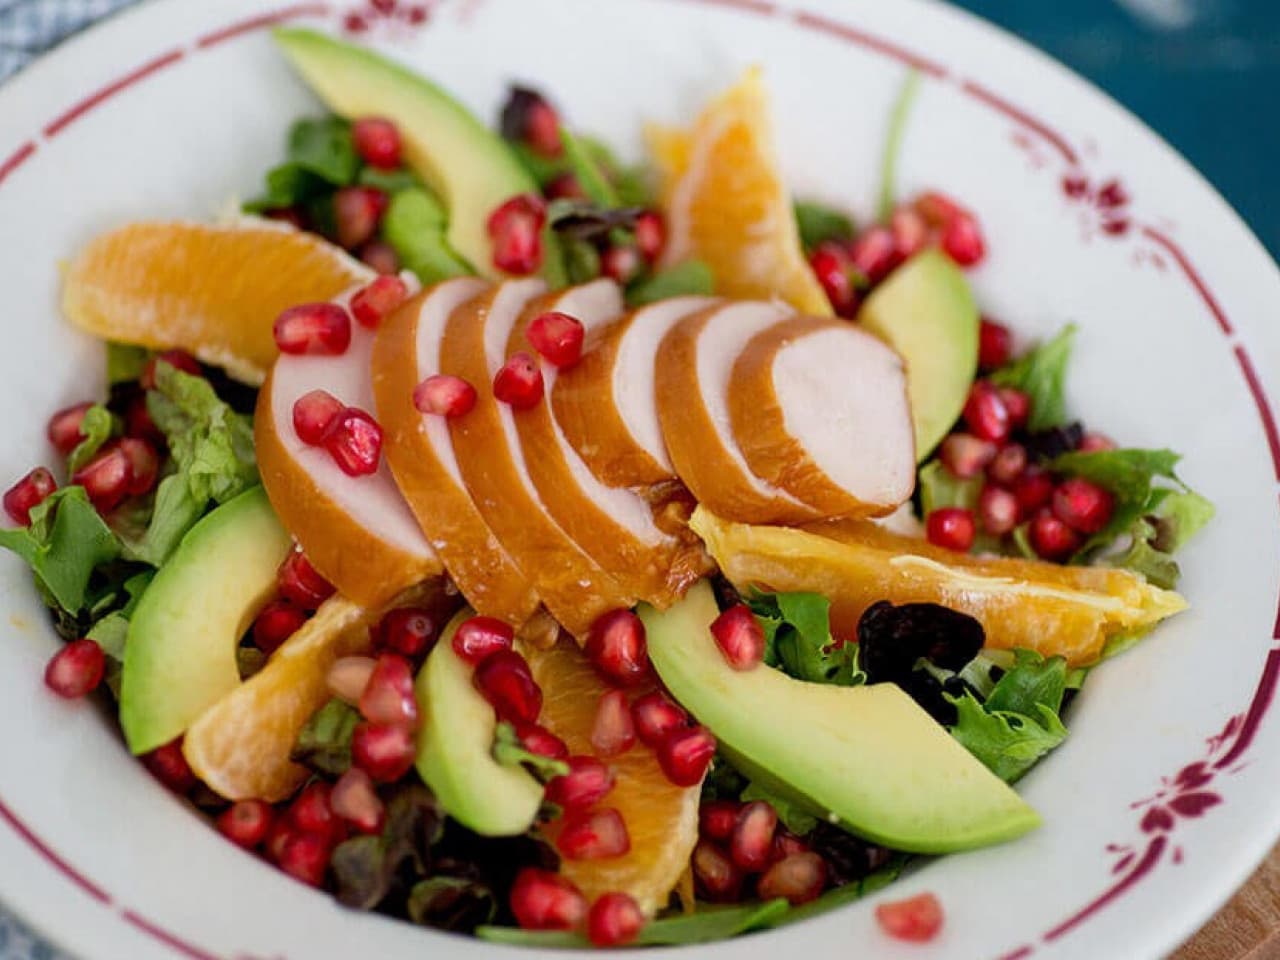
(1205, 74)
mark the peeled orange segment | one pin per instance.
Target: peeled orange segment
(613, 525)
(357, 531)
(214, 291)
(819, 408)
(661, 818)
(605, 403)
(240, 746)
(486, 443)
(1054, 610)
(691, 383)
(727, 204)
(420, 451)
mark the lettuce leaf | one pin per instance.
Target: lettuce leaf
(97, 427)
(690, 278)
(324, 743)
(893, 145)
(320, 156)
(510, 752)
(797, 630)
(819, 224)
(591, 178)
(939, 487)
(1042, 375)
(125, 362)
(415, 225)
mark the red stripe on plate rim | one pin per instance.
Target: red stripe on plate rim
(813, 21)
(1192, 274)
(1019, 115)
(1263, 404)
(107, 92)
(169, 939)
(16, 159)
(295, 12)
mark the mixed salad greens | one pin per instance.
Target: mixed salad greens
(379, 792)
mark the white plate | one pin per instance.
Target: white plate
(1163, 798)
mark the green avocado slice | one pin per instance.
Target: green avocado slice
(180, 651)
(866, 757)
(455, 748)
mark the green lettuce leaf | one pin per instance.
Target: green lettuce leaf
(1033, 681)
(320, 157)
(97, 427)
(690, 278)
(366, 868)
(415, 225)
(389, 182)
(592, 178)
(797, 630)
(64, 543)
(893, 145)
(451, 903)
(703, 926)
(793, 817)
(1042, 375)
(939, 487)
(510, 752)
(1008, 744)
(819, 224)
(324, 743)
(125, 362)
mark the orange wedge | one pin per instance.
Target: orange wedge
(213, 291)
(727, 205)
(1055, 610)
(240, 746)
(661, 818)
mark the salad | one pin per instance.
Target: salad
(517, 542)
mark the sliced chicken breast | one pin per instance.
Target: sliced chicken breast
(819, 408)
(420, 451)
(693, 368)
(605, 406)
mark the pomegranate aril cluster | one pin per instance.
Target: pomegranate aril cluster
(743, 850)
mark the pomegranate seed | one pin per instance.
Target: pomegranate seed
(962, 241)
(565, 187)
(685, 755)
(718, 879)
(830, 264)
(622, 263)
(31, 491)
(170, 767)
(370, 305)
(586, 784)
(740, 637)
(516, 231)
(354, 441)
(357, 211)
(277, 622)
(651, 235)
(507, 683)
(965, 455)
(917, 919)
(305, 857)
(986, 414)
(557, 337)
(542, 900)
(246, 823)
(64, 427)
(937, 208)
(313, 328)
(1111, 194)
(998, 510)
(106, 478)
(381, 256)
(355, 800)
(655, 717)
(1051, 538)
(1082, 505)
(478, 638)
(1033, 490)
(408, 631)
(752, 840)
(313, 414)
(377, 140)
(1093, 442)
(952, 528)
(874, 253)
(1008, 464)
(348, 677)
(178, 359)
(799, 877)
(613, 732)
(144, 465)
(617, 648)
(384, 752)
(389, 699)
(538, 739)
(995, 344)
(444, 395)
(519, 382)
(785, 843)
(539, 126)
(910, 232)
(279, 835)
(299, 581)
(1017, 403)
(311, 811)
(593, 835)
(76, 669)
(717, 818)
(615, 920)
(138, 422)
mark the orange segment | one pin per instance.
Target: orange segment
(240, 746)
(661, 818)
(214, 291)
(1069, 611)
(726, 203)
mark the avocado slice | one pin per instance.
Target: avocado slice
(865, 757)
(455, 748)
(926, 312)
(464, 161)
(180, 651)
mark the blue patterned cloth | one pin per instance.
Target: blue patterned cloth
(29, 27)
